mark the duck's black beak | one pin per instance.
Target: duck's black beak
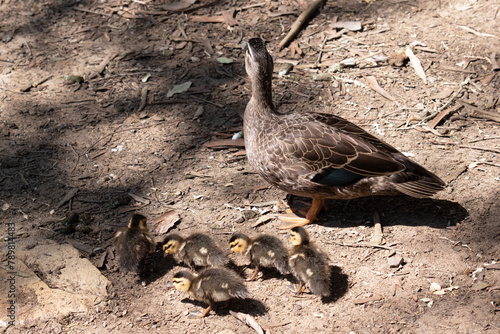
(244, 46)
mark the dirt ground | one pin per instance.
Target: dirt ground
(91, 131)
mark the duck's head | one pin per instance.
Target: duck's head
(258, 62)
(171, 243)
(182, 280)
(299, 236)
(138, 222)
(239, 243)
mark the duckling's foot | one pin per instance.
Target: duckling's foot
(298, 290)
(193, 315)
(254, 275)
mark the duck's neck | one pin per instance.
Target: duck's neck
(262, 94)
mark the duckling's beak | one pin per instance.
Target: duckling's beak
(170, 285)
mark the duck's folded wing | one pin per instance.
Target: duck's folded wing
(326, 150)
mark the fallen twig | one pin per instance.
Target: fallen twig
(69, 195)
(367, 245)
(300, 22)
(35, 84)
(478, 112)
(489, 149)
(432, 124)
(454, 96)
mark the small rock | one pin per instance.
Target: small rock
(395, 261)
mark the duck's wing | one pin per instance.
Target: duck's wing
(334, 150)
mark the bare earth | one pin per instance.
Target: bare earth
(88, 135)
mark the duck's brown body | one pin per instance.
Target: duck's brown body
(320, 155)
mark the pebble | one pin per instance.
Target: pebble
(395, 261)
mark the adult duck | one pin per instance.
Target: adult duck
(320, 156)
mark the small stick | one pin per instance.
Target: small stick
(35, 84)
(92, 12)
(434, 114)
(301, 20)
(144, 98)
(366, 245)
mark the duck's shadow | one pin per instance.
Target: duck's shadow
(393, 210)
(249, 306)
(339, 284)
(158, 265)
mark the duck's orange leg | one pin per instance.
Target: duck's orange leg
(293, 220)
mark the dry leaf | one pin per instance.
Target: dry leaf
(373, 298)
(263, 219)
(179, 88)
(372, 82)
(165, 222)
(139, 199)
(442, 94)
(228, 16)
(415, 62)
(350, 25)
(248, 320)
(178, 5)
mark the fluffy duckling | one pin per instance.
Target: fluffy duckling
(196, 250)
(210, 286)
(309, 265)
(262, 251)
(133, 244)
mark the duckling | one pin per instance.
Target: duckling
(133, 244)
(196, 250)
(309, 265)
(263, 251)
(210, 286)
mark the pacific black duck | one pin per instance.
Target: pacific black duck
(198, 249)
(318, 155)
(210, 286)
(309, 264)
(133, 244)
(262, 251)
